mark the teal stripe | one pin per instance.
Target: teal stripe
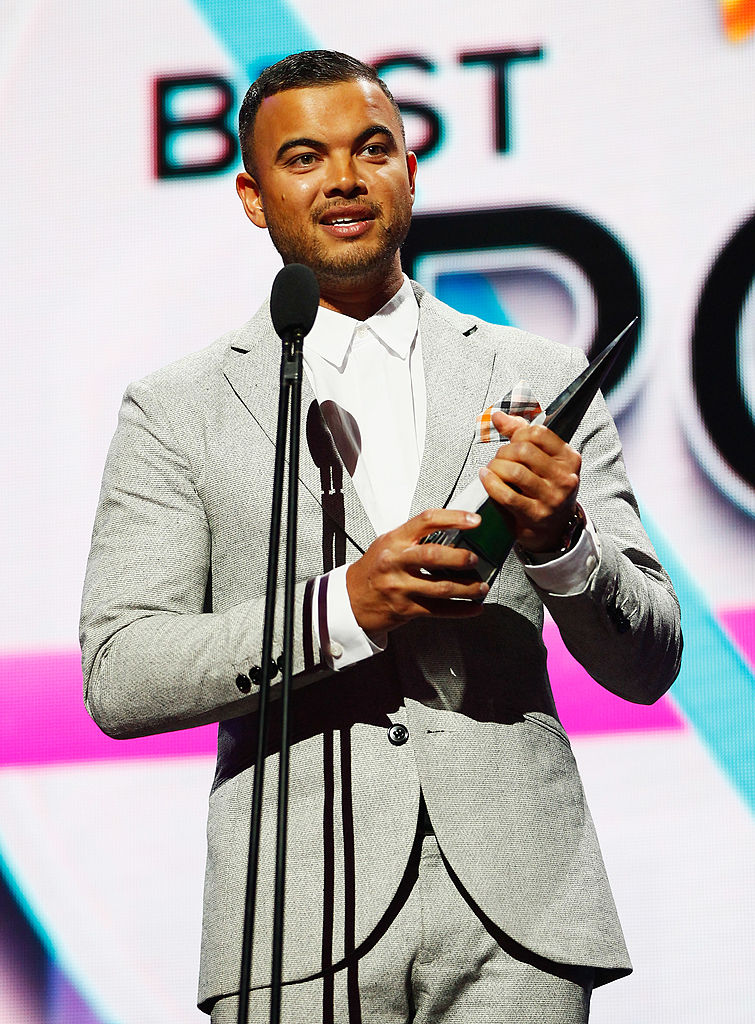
(472, 294)
(257, 33)
(48, 946)
(715, 690)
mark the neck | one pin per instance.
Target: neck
(361, 300)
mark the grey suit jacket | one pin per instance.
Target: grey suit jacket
(186, 497)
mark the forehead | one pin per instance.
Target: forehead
(333, 114)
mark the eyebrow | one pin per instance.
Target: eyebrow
(303, 140)
(375, 129)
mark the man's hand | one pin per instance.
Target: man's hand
(389, 584)
(535, 478)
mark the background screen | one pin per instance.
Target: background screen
(578, 162)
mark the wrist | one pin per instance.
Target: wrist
(572, 531)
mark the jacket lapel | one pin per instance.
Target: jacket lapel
(457, 374)
(251, 365)
(457, 371)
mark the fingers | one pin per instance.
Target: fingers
(542, 511)
(535, 461)
(446, 598)
(398, 579)
(390, 600)
(518, 430)
(436, 519)
(506, 425)
(433, 572)
(436, 557)
(535, 477)
(511, 482)
(426, 588)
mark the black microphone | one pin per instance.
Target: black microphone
(293, 307)
(293, 301)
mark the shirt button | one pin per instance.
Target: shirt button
(336, 650)
(398, 735)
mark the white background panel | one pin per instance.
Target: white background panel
(639, 115)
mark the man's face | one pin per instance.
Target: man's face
(333, 182)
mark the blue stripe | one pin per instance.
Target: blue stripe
(256, 33)
(473, 294)
(715, 690)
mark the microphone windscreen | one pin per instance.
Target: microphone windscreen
(294, 300)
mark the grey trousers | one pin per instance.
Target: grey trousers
(438, 962)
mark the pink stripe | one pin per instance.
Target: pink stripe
(587, 709)
(43, 719)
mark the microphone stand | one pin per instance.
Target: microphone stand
(289, 402)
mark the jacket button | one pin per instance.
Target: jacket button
(255, 672)
(244, 683)
(398, 735)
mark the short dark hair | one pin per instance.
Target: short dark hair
(301, 71)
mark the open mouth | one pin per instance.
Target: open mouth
(347, 222)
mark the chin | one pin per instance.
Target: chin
(356, 264)
(358, 261)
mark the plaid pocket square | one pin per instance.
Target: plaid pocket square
(520, 401)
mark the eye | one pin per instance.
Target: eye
(375, 149)
(303, 160)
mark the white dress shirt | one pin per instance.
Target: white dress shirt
(373, 374)
(372, 370)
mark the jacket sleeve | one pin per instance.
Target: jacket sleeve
(154, 659)
(625, 628)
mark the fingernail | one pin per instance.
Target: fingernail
(483, 472)
(472, 558)
(472, 518)
(484, 588)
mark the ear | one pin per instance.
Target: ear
(251, 198)
(411, 166)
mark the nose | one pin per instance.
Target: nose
(344, 178)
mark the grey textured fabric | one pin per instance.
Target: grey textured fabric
(186, 493)
(437, 963)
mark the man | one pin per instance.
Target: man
(442, 864)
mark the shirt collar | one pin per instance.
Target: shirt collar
(395, 324)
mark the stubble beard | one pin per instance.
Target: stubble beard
(355, 263)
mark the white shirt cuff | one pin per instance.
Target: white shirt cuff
(569, 574)
(345, 642)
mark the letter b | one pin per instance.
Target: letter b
(208, 130)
